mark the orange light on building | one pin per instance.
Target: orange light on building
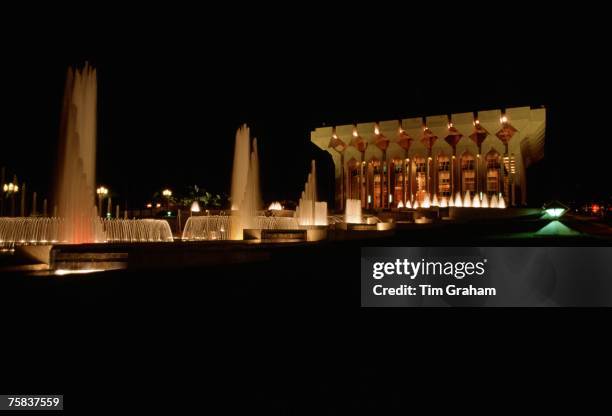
(595, 208)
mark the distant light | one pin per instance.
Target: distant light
(369, 199)
(390, 197)
(149, 205)
(275, 206)
(158, 205)
(169, 213)
(195, 207)
(450, 125)
(355, 134)
(503, 119)
(555, 212)
(376, 130)
(167, 193)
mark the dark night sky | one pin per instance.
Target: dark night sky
(169, 104)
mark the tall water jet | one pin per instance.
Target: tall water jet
(309, 210)
(434, 201)
(443, 202)
(494, 202)
(501, 203)
(485, 201)
(467, 200)
(458, 201)
(426, 201)
(77, 157)
(352, 211)
(246, 193)
(476, 202)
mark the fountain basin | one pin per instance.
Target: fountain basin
(307, 233)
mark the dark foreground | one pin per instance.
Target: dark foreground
(283, 335)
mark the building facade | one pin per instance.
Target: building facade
(385, 163)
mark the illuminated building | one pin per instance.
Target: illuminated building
(389, 162)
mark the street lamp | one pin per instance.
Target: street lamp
(10, 189)
(102, 192)
(167, 193)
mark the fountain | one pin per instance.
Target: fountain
(426, 201)
(434, 201)
(458, 202)
(494, 202)
(485, 201)
(310, 211)
(352, 211)
(246, 193)
(128, 231)
(467, 200)
(275, 206)
(476, 202)
(77, 158)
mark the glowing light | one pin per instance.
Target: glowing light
(476, 202)
(167, 193)
(503, 119)
(63, 272)
(400, 204)
(408, 204)
(390, 198)
(149, 205)
(102, 191)
(275, 206)
(376, 130)
(458, 201)
(426, 201)
(450, 125)
(195, 206)
(355, 134)
(555, 212)
(158, 205)
(443, 202)
(434, 201)
(485, 201)
(467, 200)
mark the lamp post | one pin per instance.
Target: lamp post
(101, 192)
(10, 189)
(167, 193)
